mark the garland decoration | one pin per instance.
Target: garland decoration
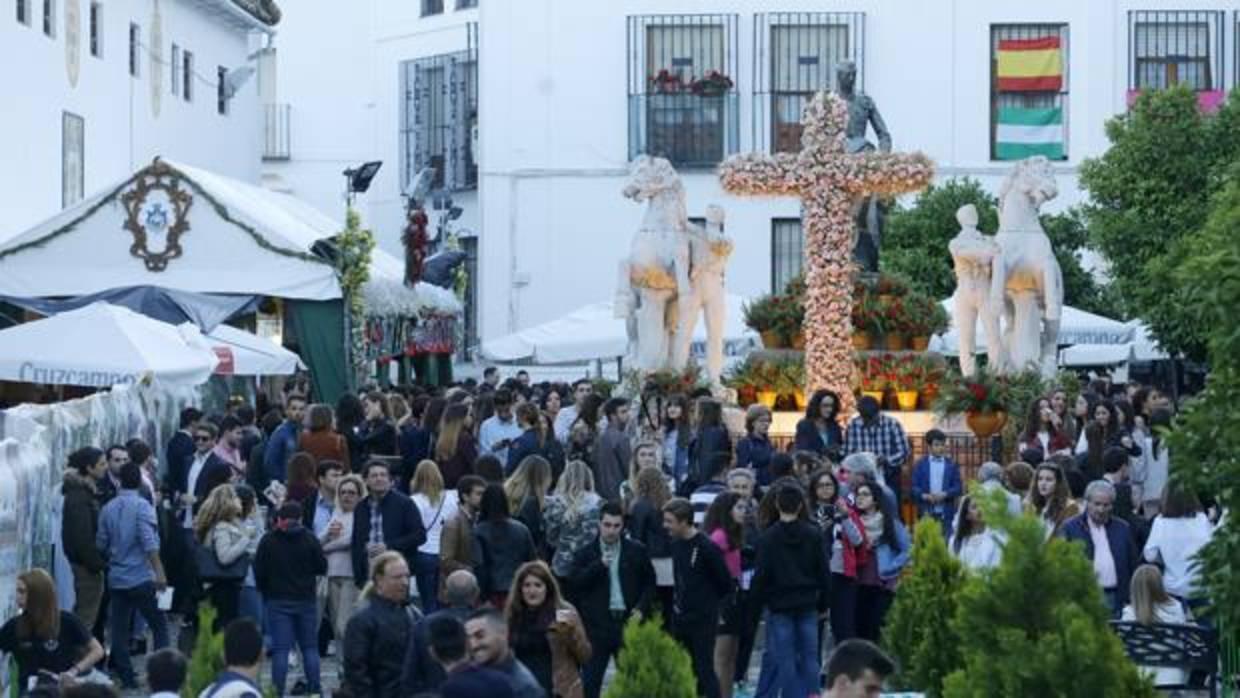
(416, 242)
(355, 244)
(828, 180)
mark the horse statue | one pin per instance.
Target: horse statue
(653, 282)
(1026, 282)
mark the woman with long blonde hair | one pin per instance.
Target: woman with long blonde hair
(572, 515)
(220, 528)
(546, 632)
(456, 448)
(43, 638)
(527, 490)
(1150, 603)
(437, 506)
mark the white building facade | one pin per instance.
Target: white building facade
(530, 111)
(100, 87)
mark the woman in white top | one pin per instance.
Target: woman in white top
(976, 546)
(1178, 534)
(437, 506)
(1151, 604)
(1152, 468)
(337, 541)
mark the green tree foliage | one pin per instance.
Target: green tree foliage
(1205, 443)
(207, 659)
(918, 630)
(916, 237)
(1036, 625)
(651, 665)
(1148, 192)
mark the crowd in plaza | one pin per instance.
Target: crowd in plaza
(493, 539)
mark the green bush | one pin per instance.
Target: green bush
(651, 665)
(207, 659)
(1036, 625)
(918, 632)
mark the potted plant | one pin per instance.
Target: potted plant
(874, 377)
(934, 376)
(910, 376)
(982, 398)
(666, 82)
(792, 373)
(863, 311)
(890, 287)
(767, 381)
(741, 379)
(712, 84)
(893, 318)
(763, 316)
(926, 317)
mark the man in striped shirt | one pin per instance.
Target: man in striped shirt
(702, 497)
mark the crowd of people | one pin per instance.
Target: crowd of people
(494, 538)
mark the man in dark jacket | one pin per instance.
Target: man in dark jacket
(283, 442)
(79, 524)
(1108, 543)
(180, 452)
(702, 580)
(611, 578)
(376, 639)
(422, 673)
(387, 520)
(612, 453)
(791, 582)
(288, 560)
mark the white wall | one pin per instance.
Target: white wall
(555, 123)
(121, 130)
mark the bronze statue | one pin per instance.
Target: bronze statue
(862, 114)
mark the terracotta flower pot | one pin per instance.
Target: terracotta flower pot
(893, 342)
(798, 341)
(799, 395)
(772, 340)
(985, 424)
(767, 398)
(862, 341)
(920, 343)
(929, 394)
(746, 396)
(907, 400)
(876, 394)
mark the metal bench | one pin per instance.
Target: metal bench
(1164, 645)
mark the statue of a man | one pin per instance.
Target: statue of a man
(862, 114)
(974, 256)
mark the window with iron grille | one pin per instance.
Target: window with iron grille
(466, 4)
(795, 57)
(683, 101)
(1170, 48)
(1029, 81)
(49, 18)
(176, 70)
(439, 114)
(23, 12)
(135, 35)
(432, 7)
(96, 29)
(187, 75)
(221, 90)
(787, 251)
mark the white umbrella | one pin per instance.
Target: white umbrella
(593, 332)
(243, 353)
(102, 345)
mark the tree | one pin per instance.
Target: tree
(916, 238)
(1148, 192)
(1205, 443)
(207, 658)
(919, 632)
(1036, 625)
(651, 665)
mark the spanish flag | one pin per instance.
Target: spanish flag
(1030, 65)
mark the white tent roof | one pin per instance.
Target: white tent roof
(1141, 348)
(243, 353)
(102, 345)
(592, 332)
(219, 254)
(1075, 327)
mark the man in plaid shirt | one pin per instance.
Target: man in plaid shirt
(881, 435)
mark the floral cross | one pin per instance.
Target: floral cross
(828, 180)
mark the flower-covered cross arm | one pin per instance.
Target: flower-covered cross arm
(759, 174)
(888, 174)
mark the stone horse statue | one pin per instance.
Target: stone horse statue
(1026, 282)
(654, 281)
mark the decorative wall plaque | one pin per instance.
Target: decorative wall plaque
(157, 214)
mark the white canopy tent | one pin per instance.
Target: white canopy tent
(1075, 327)
(593, 332)
(1141, 348)
(102, 345)
(243, 353)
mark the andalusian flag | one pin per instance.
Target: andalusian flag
(1030, 65)
(1022, 133)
